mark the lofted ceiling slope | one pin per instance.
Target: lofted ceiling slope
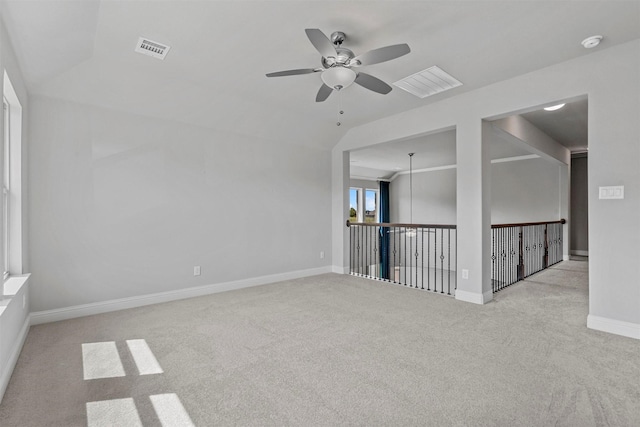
(214, 75)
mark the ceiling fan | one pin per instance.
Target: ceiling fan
(338, 64)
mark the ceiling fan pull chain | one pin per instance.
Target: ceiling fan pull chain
(340, 107)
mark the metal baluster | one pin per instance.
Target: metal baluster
(369, 252)
(513, 264)
(435, 260)
(428, 258)
(405, 257)
(501, 257)
(493, 259)
(357, 251)
(395, 232)
(410, 253)
(417, 254)
(422, 261)
(441, 257)
(350, 250)
(449, 261)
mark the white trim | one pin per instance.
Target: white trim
(368, 178)
(441, 168)
(613, 326)
(72, 312)
(580, 253)
(516, 158)
(473, 297)
(13, 357)
(339, 269)
(433, 169)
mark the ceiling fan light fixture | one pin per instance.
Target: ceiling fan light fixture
(338, 77)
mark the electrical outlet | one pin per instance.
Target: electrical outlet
(465, 274)
(196, 270)
(321, 254)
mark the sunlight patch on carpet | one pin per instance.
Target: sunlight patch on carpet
(115, 412)
(101, 360)
(143, 357)
(170, 411)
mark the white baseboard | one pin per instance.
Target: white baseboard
(473, 297)
(580, 253)
(65, 313)
(612, 326)
(339, 270)
(13, 357)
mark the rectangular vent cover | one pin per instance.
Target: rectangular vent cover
(428, 82)
(151, 48)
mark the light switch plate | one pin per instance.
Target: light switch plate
(612, 192)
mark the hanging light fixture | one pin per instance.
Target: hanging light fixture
(411, 232)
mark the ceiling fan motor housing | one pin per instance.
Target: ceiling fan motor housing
(337, 37)
(343, 57)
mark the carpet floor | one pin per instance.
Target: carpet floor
(334, 350)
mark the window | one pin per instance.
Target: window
(354, 196)
(363, 205)
(11, 181)
(5, 190)
(371, 206)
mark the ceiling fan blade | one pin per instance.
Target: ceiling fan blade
(321, 42)
(382, 54)
(294, 72)
(372, 83)
(323, 93)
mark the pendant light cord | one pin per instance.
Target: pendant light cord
(411, 188)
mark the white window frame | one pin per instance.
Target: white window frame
(376, 215)
(362, 203)
(6, 186)
(12, 182)
(359, 215)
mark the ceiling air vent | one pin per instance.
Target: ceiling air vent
(151, 48)
(428, 82)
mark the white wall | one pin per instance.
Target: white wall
(525, 191)
(610, 79)
(124, 205)
(521, 191)
(434, 198)
(364, 183)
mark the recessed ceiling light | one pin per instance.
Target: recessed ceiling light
(592, 41)
(554, 107)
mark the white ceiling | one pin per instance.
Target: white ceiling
(568, 125)
(214, 75)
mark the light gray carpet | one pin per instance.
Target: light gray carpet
(339, 350)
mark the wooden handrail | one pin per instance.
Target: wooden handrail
(525, 224)
(392, 224)
(448, 226)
